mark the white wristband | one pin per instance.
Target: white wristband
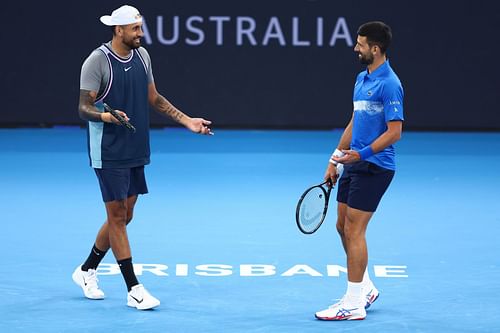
(336, 153)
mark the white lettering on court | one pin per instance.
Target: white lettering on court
(251, 270)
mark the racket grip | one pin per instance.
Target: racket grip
(122, 120)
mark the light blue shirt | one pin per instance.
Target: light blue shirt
(377, 99)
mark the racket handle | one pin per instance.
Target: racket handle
(119, 117)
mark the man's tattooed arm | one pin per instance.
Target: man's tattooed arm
(86, 108)
(163, 106)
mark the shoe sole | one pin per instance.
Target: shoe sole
(142, 309)
(339, 319)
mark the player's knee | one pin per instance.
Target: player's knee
(353, 230)
(349, 233)
(349, 225)
(117, 217)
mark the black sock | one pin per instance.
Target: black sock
(94, 259)
(128, 272)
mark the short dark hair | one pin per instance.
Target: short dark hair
(113, 30)
(376, 33)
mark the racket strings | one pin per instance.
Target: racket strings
(311, 211)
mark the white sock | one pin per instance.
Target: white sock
(354, 295)
(367, 283)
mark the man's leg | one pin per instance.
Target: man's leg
(102, 245)
(113, 234)
(113, 231)
(351, 226)
(120, 213)
(102, 240)
(341, 217)
(368, 288)
(355, 243)
(117, 228)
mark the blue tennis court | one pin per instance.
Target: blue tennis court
(216, 240)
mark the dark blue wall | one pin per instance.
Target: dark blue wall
(446, 54)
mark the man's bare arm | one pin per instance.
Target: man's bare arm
(86, 108)
(163, 106)
(345, 139)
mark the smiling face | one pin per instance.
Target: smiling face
(131, 35)
(365, 51)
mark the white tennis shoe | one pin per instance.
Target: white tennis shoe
(88, 282)
(138, 297)
(371, 296)
(342, 311)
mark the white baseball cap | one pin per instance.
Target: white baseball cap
(122, 16)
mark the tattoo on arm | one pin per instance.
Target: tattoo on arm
(163, 106)
(86, 108)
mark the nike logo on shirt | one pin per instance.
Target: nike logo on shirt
(127, 69)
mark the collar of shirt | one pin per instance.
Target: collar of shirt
(380, 71)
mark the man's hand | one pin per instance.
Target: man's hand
(200, 126)
(331, 173)
(350, 156)
(107, 117)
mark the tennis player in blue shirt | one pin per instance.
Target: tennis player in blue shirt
(119, 74)
(366, 154)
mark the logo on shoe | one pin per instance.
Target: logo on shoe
(137, 299)
(344, 313)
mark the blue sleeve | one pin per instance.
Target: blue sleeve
(392, 99)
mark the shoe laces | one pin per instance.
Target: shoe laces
(91, 279)
(346, 302)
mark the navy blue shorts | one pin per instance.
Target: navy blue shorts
(119, 184)
(363, 184)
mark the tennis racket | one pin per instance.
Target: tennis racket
(312, 207)
(122, 120)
